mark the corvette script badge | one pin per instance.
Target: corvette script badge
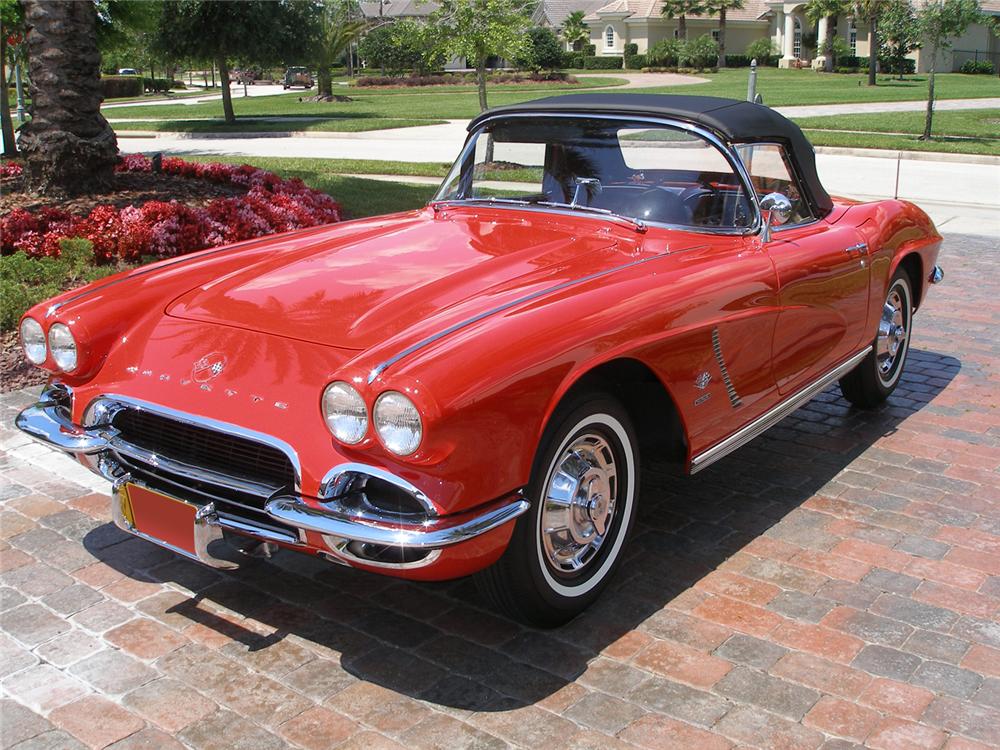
(208, 367)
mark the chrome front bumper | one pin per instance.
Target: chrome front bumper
(339, 521)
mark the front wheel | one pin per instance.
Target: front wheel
(583, 494)
(870, 383)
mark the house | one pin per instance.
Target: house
(620, 22)
(552, 14)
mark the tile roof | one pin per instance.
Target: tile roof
(751, 10)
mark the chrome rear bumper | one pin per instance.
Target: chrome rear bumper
(340, 519)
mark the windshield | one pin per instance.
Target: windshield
(649, 172)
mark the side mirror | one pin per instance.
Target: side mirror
(777, 209)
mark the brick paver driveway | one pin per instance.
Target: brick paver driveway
(835, 583)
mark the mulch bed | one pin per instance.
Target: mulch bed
(127, 189)
(15, 372)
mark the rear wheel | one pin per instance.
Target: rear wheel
(870, 383)
(583, 495)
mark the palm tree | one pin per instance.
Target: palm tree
(681, 9)
(574, 30)
(868, 12)
(719, 8)
(334, 37)
(68, 145)
(817, 9)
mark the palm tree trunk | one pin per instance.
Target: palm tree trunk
(828, 46)
(872, 51)
(722, 37)
(6, 123)
(682, 28)
(68, 145)
(227, 94)
(324, 82)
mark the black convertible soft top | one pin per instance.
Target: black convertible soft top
(734, 120)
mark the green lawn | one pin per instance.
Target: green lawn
(342, 124)
(789, 87)
(975, 131)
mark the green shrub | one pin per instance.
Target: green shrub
(27, 281)
(116, 87)
(542, 51)
(977, 67)
(702, 52)
(589, 50)
(737, 61)
(631, 49)
(764, 50)
(665, 53)
(157, 85)
(636, 62)
(603, 63)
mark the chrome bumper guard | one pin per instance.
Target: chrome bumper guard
(47, 422)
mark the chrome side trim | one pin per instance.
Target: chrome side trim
(776, 414)
(430, 534)
(383, 366)
(103, 403)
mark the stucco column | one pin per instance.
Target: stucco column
(788, 39)
(820, 59)
(779, 28)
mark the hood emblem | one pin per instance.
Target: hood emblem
(701, 382)
(208, 367)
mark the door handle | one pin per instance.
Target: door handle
(861, 248)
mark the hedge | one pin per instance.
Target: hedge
(636, 62)
(738, 61)
(603, 63)
(855, 64)
(116, 87)
(161, 84)
(978, 67)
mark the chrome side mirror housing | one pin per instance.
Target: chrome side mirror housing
(778, 208)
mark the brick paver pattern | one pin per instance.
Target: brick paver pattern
(834, 584)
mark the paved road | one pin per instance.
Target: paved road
(835, 583)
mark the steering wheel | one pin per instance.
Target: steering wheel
(698, 192)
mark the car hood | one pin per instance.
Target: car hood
(352, 290)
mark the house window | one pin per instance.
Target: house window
(797, 40)
(715, 35)
(852, 35)
(609, 37)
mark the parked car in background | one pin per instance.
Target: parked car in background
(471, 388)
(128, 72)
(297, 77)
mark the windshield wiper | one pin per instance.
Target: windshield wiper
(637, 224)
(488, 200)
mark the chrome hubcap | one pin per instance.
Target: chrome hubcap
(891, 333)
(579, 504)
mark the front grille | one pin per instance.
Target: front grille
(206, 448)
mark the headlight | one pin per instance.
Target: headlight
(33, 341)
(63, 347)
(397, 422)
(345, 412)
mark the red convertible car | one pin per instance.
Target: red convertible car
(468, 388)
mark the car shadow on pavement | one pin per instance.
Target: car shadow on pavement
(440, 643)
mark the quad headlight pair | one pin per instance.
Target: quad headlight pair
(397, 421)
(60, 343)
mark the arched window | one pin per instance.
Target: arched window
(852, 36)
(797, 40)
(609, 37)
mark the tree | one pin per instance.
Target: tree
(11, 27)
(763, 50)
(940, 21)
(480, 29)
(68, 146)
(575, 31)
(253, 30)
(542, 50)
(819, 9)
(681, 9)
(333, 35)
(899, 34)
(720, 8)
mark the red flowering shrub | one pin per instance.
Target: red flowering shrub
(10, 169)
(270, 205)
